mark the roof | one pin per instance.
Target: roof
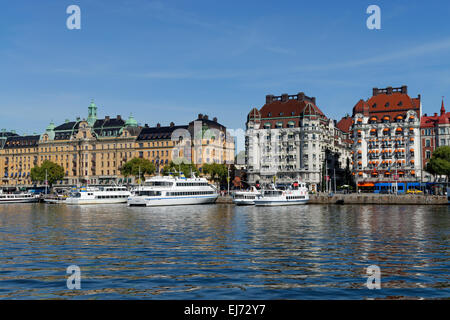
(432, 121)
(287, 106)
(158, 133)
(390, 102)
(21, 141)
(345, 124)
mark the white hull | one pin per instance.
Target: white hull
(268, 202)
(94, 201)
(170, 201)
(3, 201)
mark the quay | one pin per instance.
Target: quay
(368, 198)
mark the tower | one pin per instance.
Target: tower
(92, 114)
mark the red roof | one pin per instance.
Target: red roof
(291, 107)
(390, 104)
(344, 124)
(431, 121)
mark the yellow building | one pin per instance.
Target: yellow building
(92, 151)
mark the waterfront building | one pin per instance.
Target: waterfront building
(435, 132)
(287, 140)
(386, 135)
(17, 156)
(201, 141)
(92, 150)
(156, 144)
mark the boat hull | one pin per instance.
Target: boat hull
(94, 201)
(170, 201)
(6, 201)
(268, 202)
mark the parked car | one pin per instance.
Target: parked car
(413, 191)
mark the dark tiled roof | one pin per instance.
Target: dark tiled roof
(158, 133)
(68, 126)
(8, 134)
(22, 141)
(109, 123)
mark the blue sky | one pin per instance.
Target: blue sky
(170, 60)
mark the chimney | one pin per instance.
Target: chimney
(374, 91)
(119, 117)
(215, 119)
(435, 114)
(301, 96)
(205, 117)
(284, 97)
(313, 100)
(172, 124)
(405, 89)
(78, 118)
(107, 118)
(158, 125)
(146, 125)
(389, 90)
(425, 115)
(200, 116)
(269, 98)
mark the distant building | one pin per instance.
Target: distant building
(386, 135)
(435, 132)
(287, 139)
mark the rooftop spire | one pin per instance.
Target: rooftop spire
(442, 107)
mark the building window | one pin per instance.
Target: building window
(427, 143)
(428, 154)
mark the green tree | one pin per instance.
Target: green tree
(175, 169)
(217, 172)
(137, 165)
(53, 171)
(439, 163)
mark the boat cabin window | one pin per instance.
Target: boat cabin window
(158, 184)
(149, 193)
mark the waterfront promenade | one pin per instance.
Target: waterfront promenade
(368, 198)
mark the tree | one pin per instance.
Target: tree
(439, 163)
(217, 172)
(175, 169)
(53, 171)
(137, 165)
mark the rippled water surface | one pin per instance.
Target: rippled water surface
(224, 252)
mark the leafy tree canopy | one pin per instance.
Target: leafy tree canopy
(54, 172)
(439, 163)
(136, 165)
(175, 169)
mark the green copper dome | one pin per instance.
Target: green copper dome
(131, 122)
(50, 127)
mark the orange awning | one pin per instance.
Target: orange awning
(366, 184)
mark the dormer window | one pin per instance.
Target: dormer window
(270, 114)
(281, 113)
(387, 104)
(374, 105)
(400, 103)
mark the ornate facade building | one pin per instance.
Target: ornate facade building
(287, 140)
(386, 135)
(93, 150)
(435, 132)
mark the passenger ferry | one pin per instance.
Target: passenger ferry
(245, 198)
(296, 194)
(170, 191)
(18, 197)
(99, 195)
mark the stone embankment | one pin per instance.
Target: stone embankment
(373, 198)
(367, 198)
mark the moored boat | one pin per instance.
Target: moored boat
(246, 197)
(98, 195)
(18, 197)
(296, 194)
(170, 191)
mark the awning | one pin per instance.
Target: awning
(366, 184)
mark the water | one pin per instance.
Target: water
(224, 252)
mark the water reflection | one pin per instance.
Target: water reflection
(223, 251)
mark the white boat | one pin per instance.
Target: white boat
(55, 199)
(295, 195)
(99, 195)
(18, 197)
(170, 191)
(245, 198)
